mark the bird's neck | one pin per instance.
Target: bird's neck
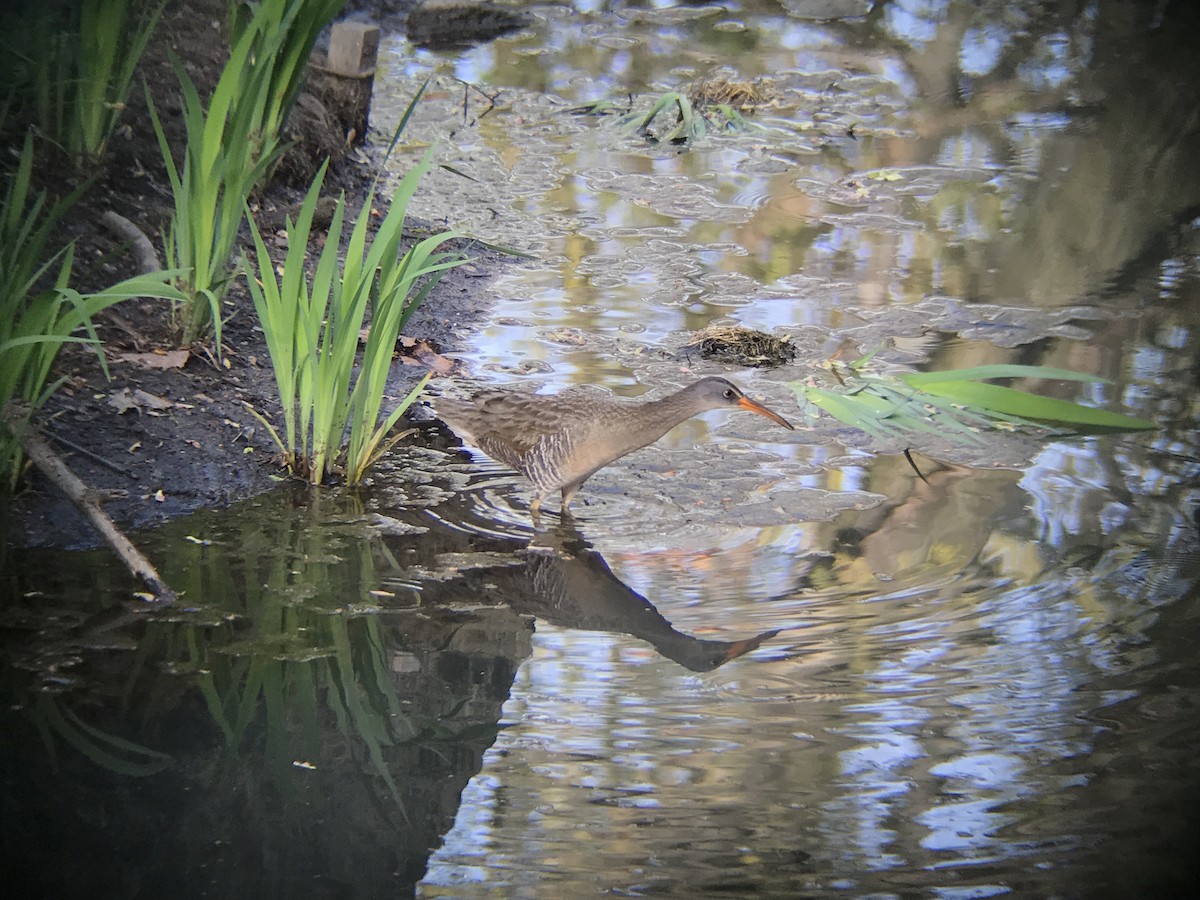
(660, 416)
(625, 427)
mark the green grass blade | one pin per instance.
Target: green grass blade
(660, 104)
(848, 409)
(980, 373)
(999, 399)
(399, 130)
(377, 446)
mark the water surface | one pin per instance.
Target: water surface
(757, 663)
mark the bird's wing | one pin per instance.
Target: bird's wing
(505, 425)
(513, 452)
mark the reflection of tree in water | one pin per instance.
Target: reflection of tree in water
(281, 731)
(1111, 183)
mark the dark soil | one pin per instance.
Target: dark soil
(165, 441)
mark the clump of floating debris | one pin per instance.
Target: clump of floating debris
(742, 346)
(743, 96)
(701, 105)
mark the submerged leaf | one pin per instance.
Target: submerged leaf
(956, 403)
(999, 399)
(856, 410)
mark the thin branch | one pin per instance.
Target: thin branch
(42, 456)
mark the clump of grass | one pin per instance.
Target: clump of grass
(72, 72)
(312, 329)
(36, 321)
(692, 117)
(231, 146)
(219, 170)
(32, 326)
(688, 126)
(283, 33)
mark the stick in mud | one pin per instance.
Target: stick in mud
(85, 499)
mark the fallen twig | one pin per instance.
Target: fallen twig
(42, 456)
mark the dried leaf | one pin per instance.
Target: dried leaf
(126, 399)
(416, 351)
(159, 359)
(437, 363)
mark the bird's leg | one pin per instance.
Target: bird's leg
(535, 510)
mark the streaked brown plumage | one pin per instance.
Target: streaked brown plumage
(559, 441)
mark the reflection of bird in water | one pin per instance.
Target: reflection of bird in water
(572, 586)
(559, 441)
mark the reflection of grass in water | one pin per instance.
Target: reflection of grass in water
(53, 718)
(349, 674)
(272, 640)
(278, 643)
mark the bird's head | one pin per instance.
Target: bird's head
(717, 393)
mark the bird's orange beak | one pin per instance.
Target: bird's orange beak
(747, 404)
(741, 648)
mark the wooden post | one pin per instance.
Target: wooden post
(344, 82)
(353, 49)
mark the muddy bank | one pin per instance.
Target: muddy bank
(168, 434)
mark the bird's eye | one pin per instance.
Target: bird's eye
(729, 394)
